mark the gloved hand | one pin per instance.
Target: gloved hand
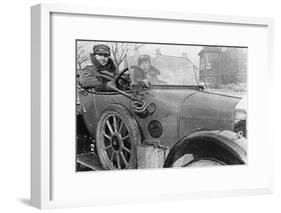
(110, 85)
(145, 83)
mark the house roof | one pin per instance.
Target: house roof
(210, 50)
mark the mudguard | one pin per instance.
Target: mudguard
(229, 142)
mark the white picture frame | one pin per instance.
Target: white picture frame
(42, 90)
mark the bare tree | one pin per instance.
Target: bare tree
(81, 56)
(119, 51)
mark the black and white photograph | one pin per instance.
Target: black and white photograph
(159, 105)
(141, 106)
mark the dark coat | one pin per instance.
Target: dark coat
(96, 76)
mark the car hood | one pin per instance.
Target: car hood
(183, 110)
(206, 111)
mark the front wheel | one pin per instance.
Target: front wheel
(204, 162)
(117, 138)
(205, 151)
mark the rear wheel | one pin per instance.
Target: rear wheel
(117, 137)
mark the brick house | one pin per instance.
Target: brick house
(222, 65)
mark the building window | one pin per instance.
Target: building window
(202, 63)
(208, 62)
(207, 81)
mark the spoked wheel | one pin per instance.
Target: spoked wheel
(117, 136)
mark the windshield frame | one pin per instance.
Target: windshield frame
(133, 81)
(194, 75)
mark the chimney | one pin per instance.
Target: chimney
(184, 55)
(158, 52)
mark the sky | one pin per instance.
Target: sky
(172, 50)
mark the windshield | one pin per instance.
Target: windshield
(163, 64)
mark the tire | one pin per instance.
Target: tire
(191, 160)
(204, 162)
(117, 138)
(204, 152)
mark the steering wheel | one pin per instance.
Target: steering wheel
(120, 77)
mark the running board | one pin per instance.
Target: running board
(90, 160)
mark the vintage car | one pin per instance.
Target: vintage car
(144, 125)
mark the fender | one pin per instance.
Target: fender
(228, 141)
